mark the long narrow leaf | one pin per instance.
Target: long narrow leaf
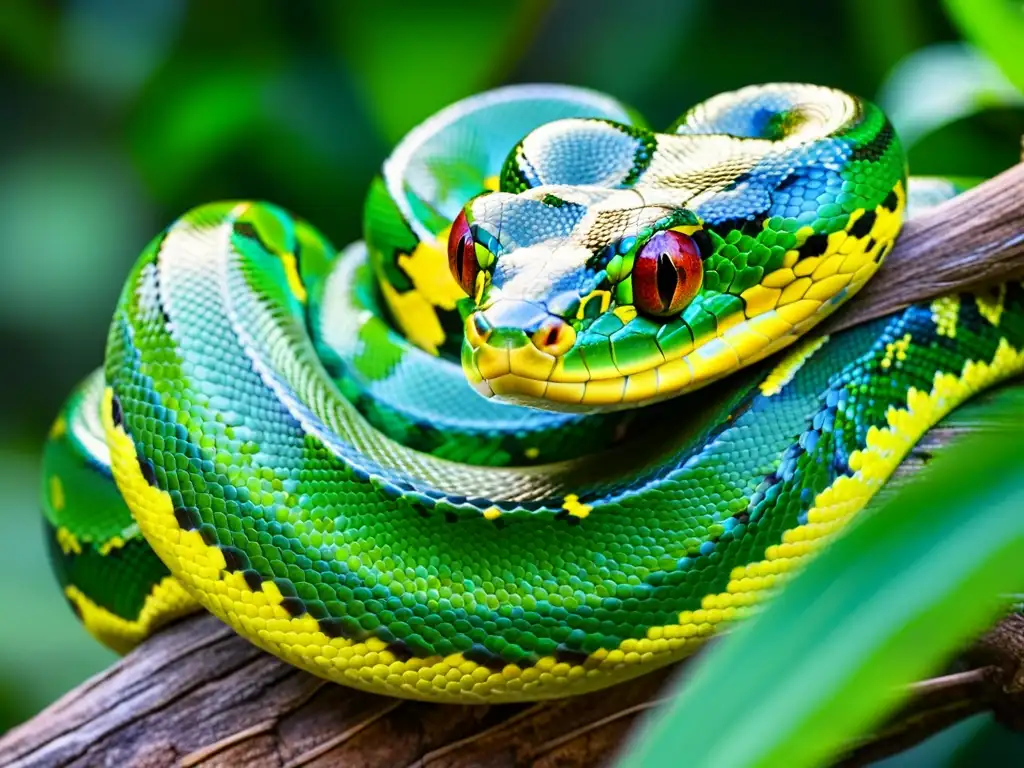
(995, 26)
(886, 604)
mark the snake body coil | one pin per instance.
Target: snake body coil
(296, 449)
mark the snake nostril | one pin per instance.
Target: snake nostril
(478, 329)
(481, 326)
(554, 336)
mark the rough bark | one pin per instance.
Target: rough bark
(970, 242)
(197, 694)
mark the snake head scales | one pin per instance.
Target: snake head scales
(616, 266)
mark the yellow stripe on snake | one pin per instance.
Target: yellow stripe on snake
(295, 444)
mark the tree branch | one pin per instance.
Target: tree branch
(967, 243)
(197, 694)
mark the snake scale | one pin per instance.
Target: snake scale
(288, 436)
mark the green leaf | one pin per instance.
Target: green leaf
(73, 219)
(940, 84)
(194, 118)
(44, 650)
(885, 605)
(997, 28)
(28, 34)
(978, 740)
(436, 55)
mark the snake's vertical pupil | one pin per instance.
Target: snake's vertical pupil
(668, 279)
(462, 254)
(667, 273)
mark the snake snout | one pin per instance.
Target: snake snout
(517, 338)
(507, 323)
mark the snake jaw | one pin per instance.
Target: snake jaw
(576, 380)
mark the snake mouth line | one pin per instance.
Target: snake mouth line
(523, 376)
(774, 313)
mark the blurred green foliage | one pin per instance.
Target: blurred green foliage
(120, 115)
(887, 604)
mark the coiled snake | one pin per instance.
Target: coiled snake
(296, 449)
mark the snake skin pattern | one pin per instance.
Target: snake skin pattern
(296, 449)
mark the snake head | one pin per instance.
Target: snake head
(618, 267)
(579, 293)
(597, 299)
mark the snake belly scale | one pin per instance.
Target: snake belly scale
(288, 437)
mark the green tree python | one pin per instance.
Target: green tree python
(296, 446)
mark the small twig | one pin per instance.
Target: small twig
(996, 684)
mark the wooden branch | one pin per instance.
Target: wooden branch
(967, 243)
(197, 694)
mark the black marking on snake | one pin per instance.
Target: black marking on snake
(703, 242)
(815, 245)
(923, 454)
(864, 224)
(451, 517)
(788, 182)
(400, 650)
(878, 145)
(234, 559)
(891, 202)
(567, 655)
(285, 587)
(751, 225)
(148, 473)
(246, 229)
(333, 627)
(451, 326)
(116, 412)
(481, 655)
(642, 157)
(187, 519)
(297, 255)
(209, 534)
(157, 293)
(563, 515)
(294, 606)
(317, 609)
(253, 579)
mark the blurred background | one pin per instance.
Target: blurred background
(117, 116)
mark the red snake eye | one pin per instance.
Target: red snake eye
(462, 255)
(667, 273)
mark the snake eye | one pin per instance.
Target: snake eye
(667, 273)
(462, 255)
